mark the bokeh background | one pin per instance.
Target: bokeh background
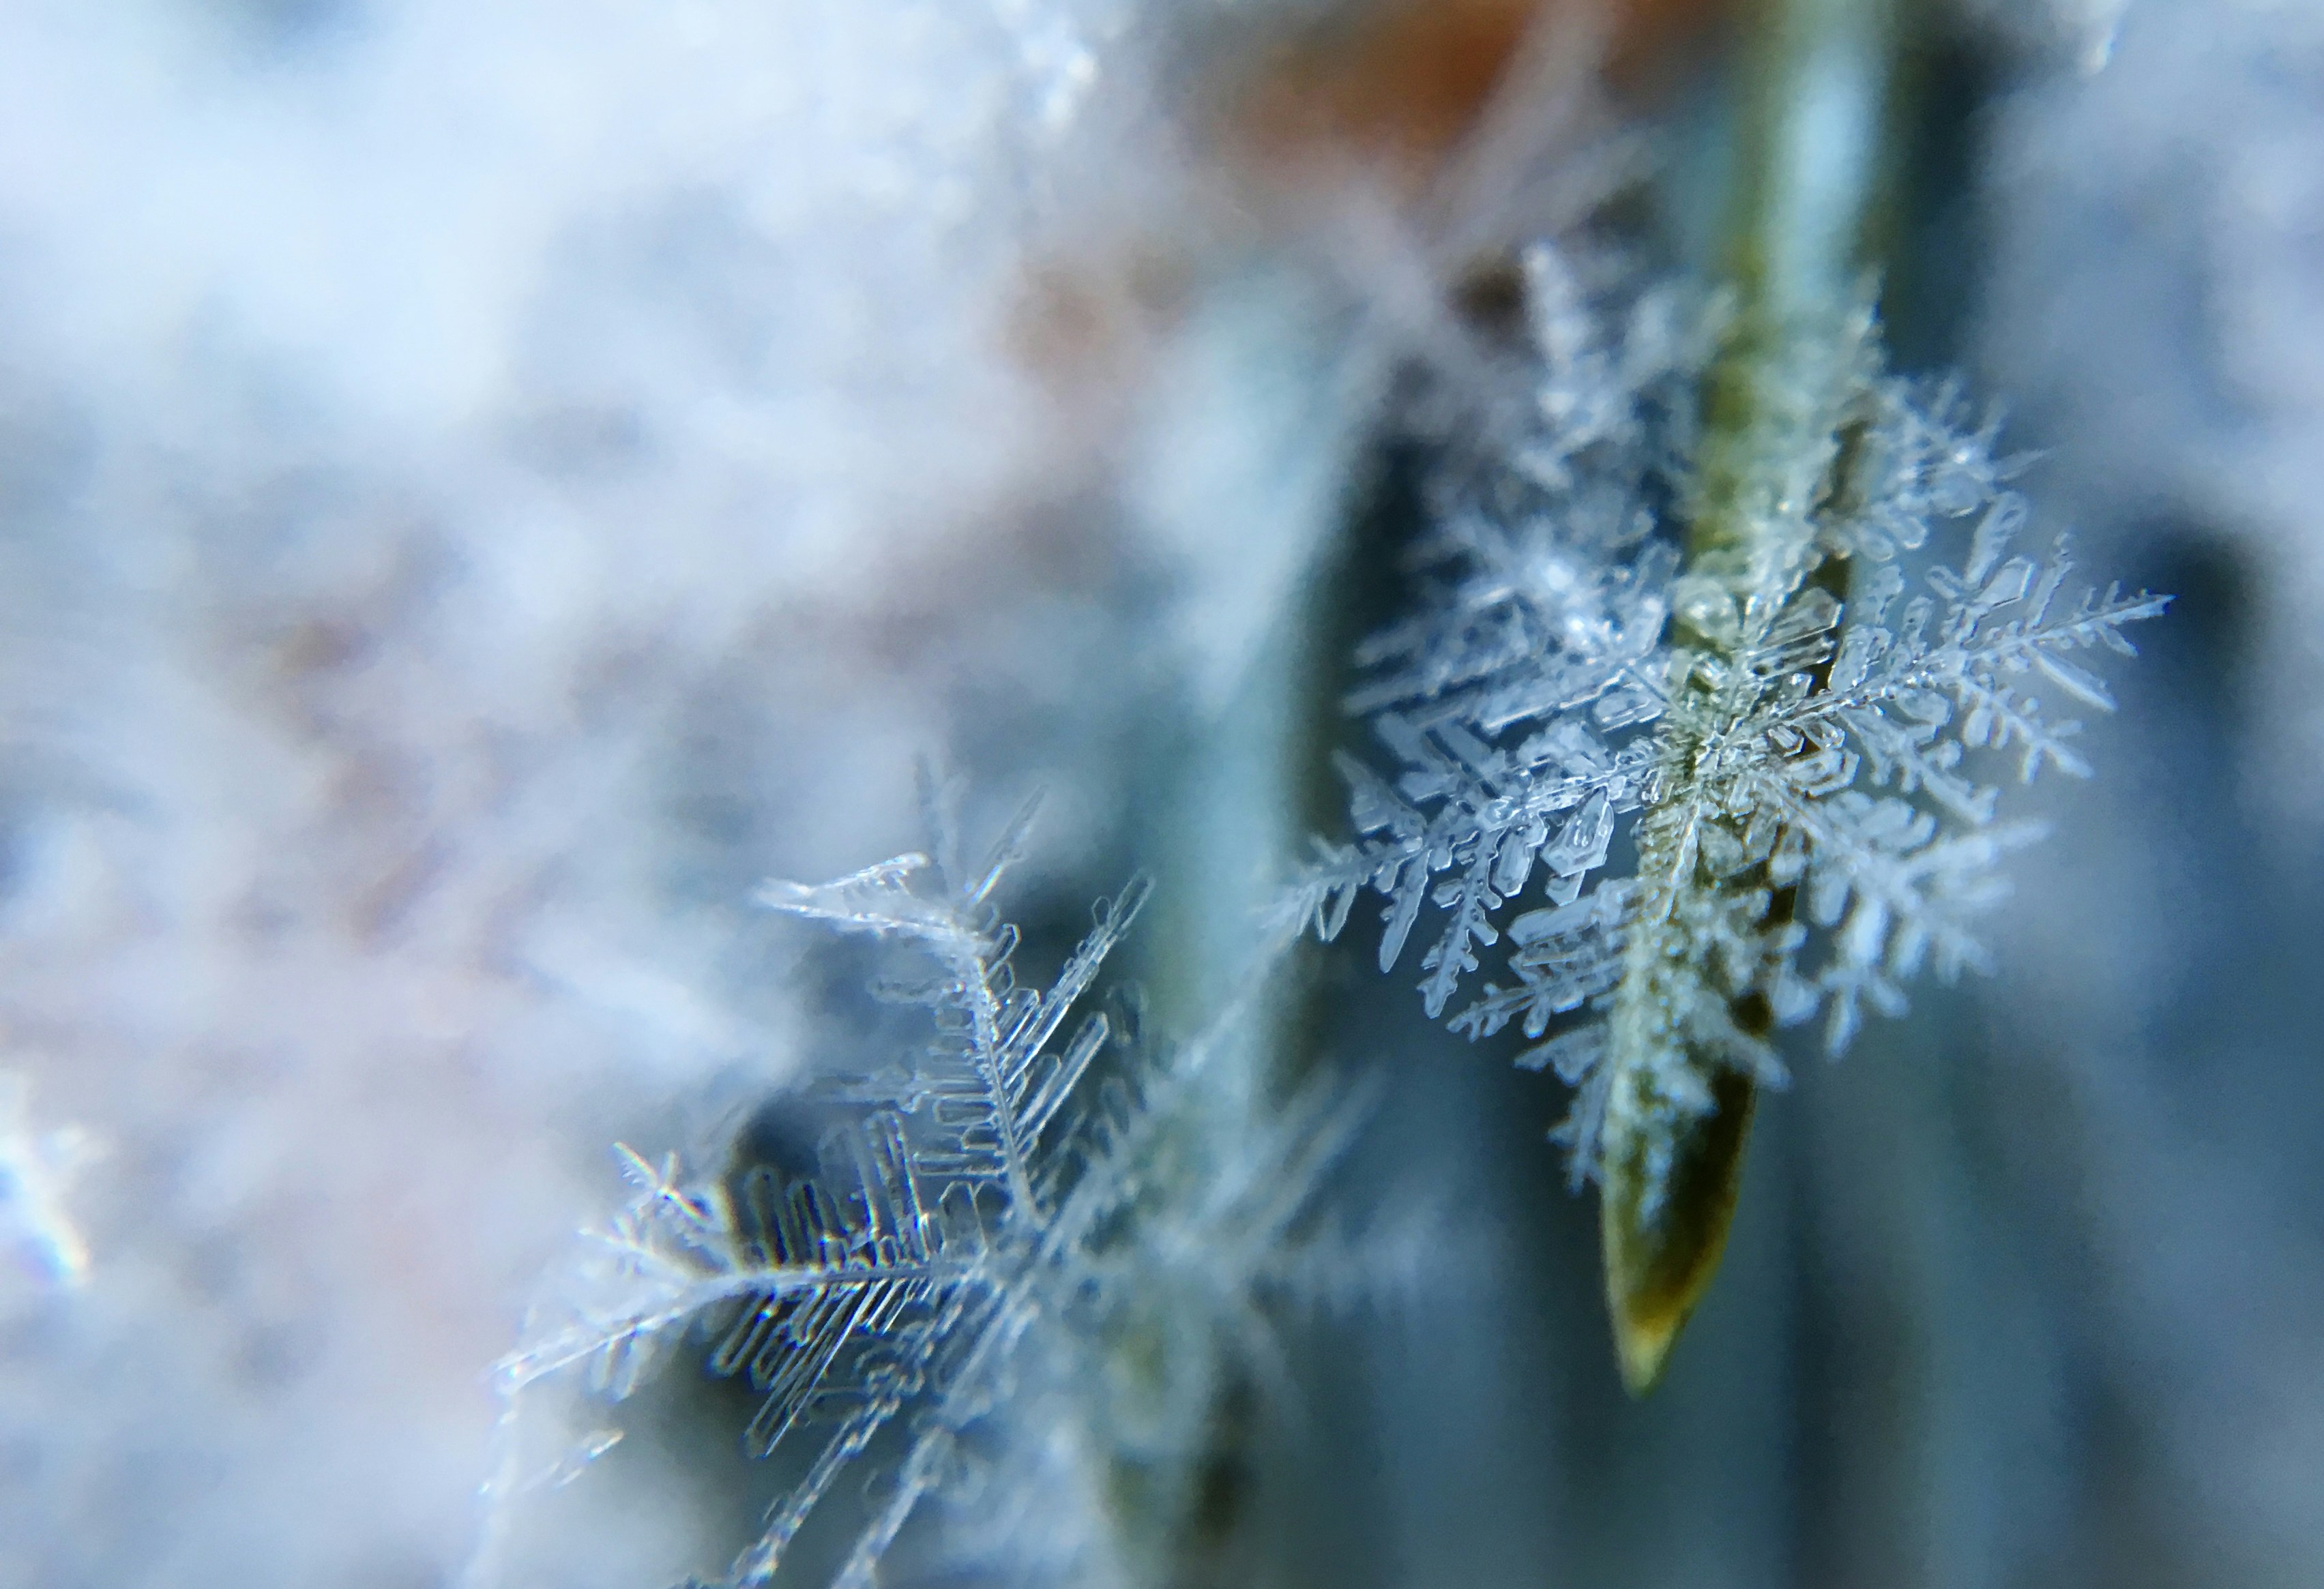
(483, 484)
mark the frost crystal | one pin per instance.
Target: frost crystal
(975, 1238)
(1794, 761)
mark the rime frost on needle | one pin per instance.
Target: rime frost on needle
(943, 1302)
(1809, 775)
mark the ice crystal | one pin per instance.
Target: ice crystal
(1809, 775)
(980, 1239)
(36, 1172)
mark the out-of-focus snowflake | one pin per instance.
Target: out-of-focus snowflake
(36, 1174)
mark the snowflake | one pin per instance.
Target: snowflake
(978, 1240)
(1786, 759)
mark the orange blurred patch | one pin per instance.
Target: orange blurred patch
(1388, 91)
(1396, 88)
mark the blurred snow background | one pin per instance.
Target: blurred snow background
(483, 484)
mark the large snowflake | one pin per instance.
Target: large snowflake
(1799, 744)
